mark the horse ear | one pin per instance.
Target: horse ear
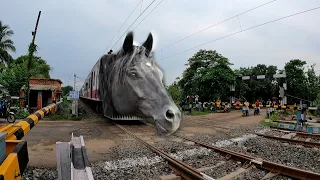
(128, 43)
(148, 44)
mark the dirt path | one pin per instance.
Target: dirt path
(101, 135)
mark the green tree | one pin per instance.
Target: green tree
(252, 90)
(175, 91)
(66, 89)
(296, 80)
(202, 75)
(6, 44)
(313, 83)
(16, 74)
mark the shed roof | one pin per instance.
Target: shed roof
(42, 87)
(46, 79)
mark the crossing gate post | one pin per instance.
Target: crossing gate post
(276, 76)
(72, 160)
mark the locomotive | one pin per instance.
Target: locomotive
(129, 85)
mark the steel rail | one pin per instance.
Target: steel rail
(274, 167)
(181, 168)
(304, 143)
(303, 134)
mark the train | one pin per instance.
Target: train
(129, 85)
(89, 93)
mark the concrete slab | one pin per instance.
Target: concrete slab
(289, 136)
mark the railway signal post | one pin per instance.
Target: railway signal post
(74, 96)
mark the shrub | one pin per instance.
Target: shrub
(21, 114)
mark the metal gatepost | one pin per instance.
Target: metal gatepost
(72, 160)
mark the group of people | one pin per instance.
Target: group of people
(270, 110)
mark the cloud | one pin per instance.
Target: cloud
(73, 35)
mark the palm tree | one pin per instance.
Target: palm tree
(6, 44)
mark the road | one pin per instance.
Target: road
(101, 135)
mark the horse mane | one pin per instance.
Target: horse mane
(113, 68)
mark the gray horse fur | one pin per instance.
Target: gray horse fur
(131, 83)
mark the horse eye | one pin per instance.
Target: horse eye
(134, 75)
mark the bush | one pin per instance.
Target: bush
(274, 116)
(21, 114)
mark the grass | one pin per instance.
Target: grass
(195, 112)
(64, 113)
(59, 117)
(265, 124)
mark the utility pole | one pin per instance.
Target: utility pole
(74, 82)
(32, 46)
(75, 99)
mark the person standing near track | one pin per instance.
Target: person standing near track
(196, 98)
(258, 105)
(269, 109)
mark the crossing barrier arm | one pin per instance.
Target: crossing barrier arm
(16, 157)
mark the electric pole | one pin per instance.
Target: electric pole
(74, 82)
(32, 48)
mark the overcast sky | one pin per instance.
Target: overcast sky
(73, 34)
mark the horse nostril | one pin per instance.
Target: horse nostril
(169, 114)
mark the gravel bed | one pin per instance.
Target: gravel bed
(275, 133)
(315, 140)
(283, 153)
(31, 173)
(248, 129)
(135, 173)
(195, 156)
(224, 169)
(207, 138)
(253, 174)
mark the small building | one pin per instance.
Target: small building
(44, 91)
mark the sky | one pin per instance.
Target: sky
(72, 35)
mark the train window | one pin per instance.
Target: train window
(93, 82)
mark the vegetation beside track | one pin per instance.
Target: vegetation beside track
(65, 113)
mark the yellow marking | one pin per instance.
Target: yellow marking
(10, 168)
(34, 118)
(276, 106)
(25, 126)
(283, 107)
(291, 108)
(10, 145)
(41, 113)
(5, 128)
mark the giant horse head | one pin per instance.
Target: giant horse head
(131, 83)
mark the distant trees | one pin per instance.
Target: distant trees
(15, 75)
(67, 89)
(6, 45)
(209, 75)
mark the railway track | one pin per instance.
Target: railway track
(182, 169)
(233, 165)
(295, 137)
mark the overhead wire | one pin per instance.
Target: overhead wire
(133, 23)
(122, 25)
(236, 16)
(252, 27)
(147, 15)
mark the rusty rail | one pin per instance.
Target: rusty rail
(304, 143)
(311, 135)
(274, 167)
(179, 167)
